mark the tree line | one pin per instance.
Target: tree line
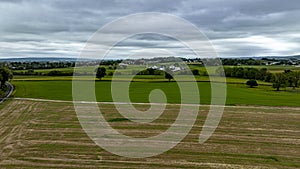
(52, 65)
(5, 75)
(37, 65)
(287, 78)
(245, 73)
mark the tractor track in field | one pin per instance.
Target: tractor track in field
(174, 104)
(12, 128)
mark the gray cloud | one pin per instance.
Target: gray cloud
(236, 28)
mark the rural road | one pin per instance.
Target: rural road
(8, 92)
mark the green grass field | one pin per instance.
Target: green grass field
(237, 94)
(140, 78)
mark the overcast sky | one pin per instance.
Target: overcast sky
(60, 28)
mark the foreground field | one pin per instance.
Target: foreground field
(40, 134)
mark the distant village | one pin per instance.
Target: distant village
(158, 63)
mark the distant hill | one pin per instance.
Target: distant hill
(40, 59)
(69, 59)
(279, 57)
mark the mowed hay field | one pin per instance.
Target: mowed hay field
(41, 134)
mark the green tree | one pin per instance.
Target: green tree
(251, 73)
(279, 80)
(220, 71)
(263, 73)
(251, 83)
(290, 77)
(110, 73)
(296, 78)
(101, 72)
(268, 77)
(240, 72)
(168, 76)
(5, 75)
(226, 71)
(195, 72)
(151, 71)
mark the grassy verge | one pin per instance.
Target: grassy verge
(3, 91)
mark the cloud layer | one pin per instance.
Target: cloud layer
(60, 28)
